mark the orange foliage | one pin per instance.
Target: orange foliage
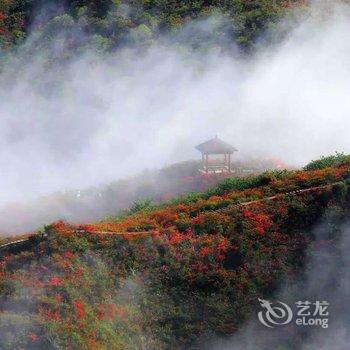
(79, 308)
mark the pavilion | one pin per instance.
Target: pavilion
(222, 153)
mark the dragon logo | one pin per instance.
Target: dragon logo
(274, 315)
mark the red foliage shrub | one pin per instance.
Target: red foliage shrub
(79, 308)
(55, 281)
(68, 254)
(33, 337)
(165, 218)
(204, 252)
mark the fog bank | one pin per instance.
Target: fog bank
(106, 116)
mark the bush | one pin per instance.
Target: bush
(142, 205)
(326, 162)
(340, 191)
(242, 183)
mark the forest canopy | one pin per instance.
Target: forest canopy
(108, 24)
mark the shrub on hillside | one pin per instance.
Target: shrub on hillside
(329, 161)
(243, 183)
(142, 205)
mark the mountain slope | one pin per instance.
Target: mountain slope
(110, 23)
(172, 276)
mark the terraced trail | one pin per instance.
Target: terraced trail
(232, 206)
(23, 244)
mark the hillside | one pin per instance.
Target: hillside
(110, 23)
(175, 275)
(96, 203)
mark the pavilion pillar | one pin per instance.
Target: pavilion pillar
(229, 162)
(206, 163)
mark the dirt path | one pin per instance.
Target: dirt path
(235, 205)
(5, 247)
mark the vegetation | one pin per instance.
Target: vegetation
(107, 24)
(93, 204)
(168, 276)
(325, 162)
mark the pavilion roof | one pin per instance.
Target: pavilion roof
(215, 146)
